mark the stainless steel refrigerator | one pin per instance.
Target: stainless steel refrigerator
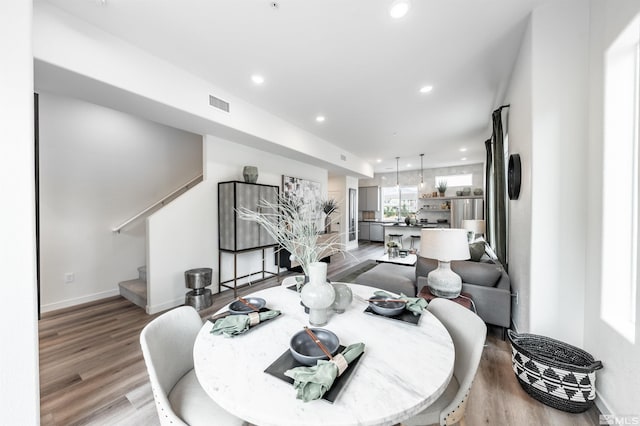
(466, 208)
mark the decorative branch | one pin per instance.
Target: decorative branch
(294, 226)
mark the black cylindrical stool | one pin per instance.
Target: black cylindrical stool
(413, 239)
(198, 279)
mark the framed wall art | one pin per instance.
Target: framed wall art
(306, 191)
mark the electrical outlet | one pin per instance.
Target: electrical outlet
(69, 277)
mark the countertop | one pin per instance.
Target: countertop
(417, 225)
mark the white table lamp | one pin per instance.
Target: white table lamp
(444, 245)
(474, 227)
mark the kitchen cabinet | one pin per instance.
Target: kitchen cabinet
(376, 232)
(369, 198)
(364, 231)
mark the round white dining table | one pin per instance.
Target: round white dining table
(404, 368)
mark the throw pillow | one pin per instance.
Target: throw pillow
(478, 273)
(476, 250)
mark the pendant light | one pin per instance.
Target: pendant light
(398, 188)
(421, 172)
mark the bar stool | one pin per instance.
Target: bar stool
(413, 239)
(398, 236)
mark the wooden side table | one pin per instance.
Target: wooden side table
(464, 299)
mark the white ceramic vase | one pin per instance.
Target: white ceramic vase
(318, 295)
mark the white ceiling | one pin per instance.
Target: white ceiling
(345, 59)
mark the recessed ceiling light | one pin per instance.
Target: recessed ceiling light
(320, 118)
(408, 165)
(379, 160)
(257, 79)
(426, 89)
(463, 149)
(464, 158)
(399, 8)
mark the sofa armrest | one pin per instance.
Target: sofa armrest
(493, 304)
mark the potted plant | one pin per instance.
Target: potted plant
(328, 207)
(442, 187)
(393, 248)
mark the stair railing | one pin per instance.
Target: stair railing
(166, 199)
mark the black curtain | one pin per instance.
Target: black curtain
(496, 221)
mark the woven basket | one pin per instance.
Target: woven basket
(553, 372)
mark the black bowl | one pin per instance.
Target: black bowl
(307, 352)
(239, 308)
(388, 309)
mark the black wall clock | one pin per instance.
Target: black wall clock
(514, 175)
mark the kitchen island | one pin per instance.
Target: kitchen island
(408, 230)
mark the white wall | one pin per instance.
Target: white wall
(339, 189)
(619, 382)
(548, 122)
(412, 177)
(520, 123)
(184, 235)
(555, 124)
(98, 168)
(89, 63)
(558, 229)
(19, 393)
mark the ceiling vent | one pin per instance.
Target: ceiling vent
(218, 103)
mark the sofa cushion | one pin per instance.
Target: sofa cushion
(390, 277)
(478, 273)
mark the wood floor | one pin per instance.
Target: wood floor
(92, 371)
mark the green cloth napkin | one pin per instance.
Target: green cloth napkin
(414, 304)
(312, 382)
(237, 324)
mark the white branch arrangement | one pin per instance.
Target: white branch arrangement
(295, 228)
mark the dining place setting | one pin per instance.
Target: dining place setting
(315, 357)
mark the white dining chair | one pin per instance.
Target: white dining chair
(468, 333)
(167, 347)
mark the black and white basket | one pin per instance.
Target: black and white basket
(553, 372)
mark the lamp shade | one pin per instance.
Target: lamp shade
(444, 244)
(477, 226)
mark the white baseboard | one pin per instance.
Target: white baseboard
(164, 306)
(602, 405)
(78, 300)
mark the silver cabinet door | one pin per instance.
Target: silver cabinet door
(270, 194)
(247, 232)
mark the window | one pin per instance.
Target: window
(620, 183)
(397, 204)
(455, 180)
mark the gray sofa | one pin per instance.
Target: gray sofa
(486, 281)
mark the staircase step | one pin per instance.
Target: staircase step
(134, 291)
(142, 273)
